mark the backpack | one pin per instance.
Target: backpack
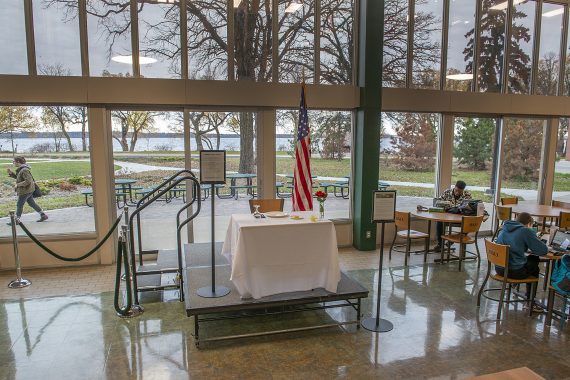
(560, 277)
(469, 207)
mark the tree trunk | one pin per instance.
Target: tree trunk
(68, 138)
(124, 131)
(246, 137)
(134, 139)
(84, 130)
(198, 138)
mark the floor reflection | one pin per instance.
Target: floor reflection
(438, 333)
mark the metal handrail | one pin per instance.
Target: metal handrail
(196, 190)
(144, 198)
(179, 240)
(141, 207)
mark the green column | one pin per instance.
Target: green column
(367, 121)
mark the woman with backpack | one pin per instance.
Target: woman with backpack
(25, 186)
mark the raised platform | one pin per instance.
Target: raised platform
(197, 275)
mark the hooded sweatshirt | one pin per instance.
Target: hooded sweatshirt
(520, 239)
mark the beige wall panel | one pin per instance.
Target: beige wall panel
(32, 256)
(343, 234)
(269, 95)
(34, 90)
(136, 91)
(468, 102)
(401, 99)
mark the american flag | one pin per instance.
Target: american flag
(302, 184)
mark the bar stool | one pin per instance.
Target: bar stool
(402, 222)
(498, 254)
(469, 225)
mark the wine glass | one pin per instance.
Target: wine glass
(256, 213)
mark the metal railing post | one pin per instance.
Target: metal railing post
(19, 282)
(126, 213)
(136, 309)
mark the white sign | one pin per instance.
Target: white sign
(213, 166)
(384, 206)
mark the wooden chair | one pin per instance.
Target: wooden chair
(266, 205)
(498, 254)
(509, 201)
(561, 204)
(564, 220)
(469, 225)
(502, 214)
(402, 224)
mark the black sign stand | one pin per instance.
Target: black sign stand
(213, 291)
(378, 324)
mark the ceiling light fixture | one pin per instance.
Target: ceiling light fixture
(553, 13)
(462, 76)
(293, 7)
(129, 59)
(237, 3)
(504, 5)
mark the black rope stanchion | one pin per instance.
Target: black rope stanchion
(71, 259)
(19, 282)
(129, 310)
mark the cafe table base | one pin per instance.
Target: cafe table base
(348, 294)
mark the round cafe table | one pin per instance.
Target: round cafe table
(540, 211)
(444, 217)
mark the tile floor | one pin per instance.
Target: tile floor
(60, 328)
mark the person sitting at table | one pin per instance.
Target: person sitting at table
(454, 196)
(520, 238)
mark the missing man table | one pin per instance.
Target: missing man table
(278, 255)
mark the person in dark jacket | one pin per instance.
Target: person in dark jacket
(520, 238)
(24, 188)
(455, 196)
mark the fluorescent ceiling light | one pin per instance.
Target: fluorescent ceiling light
(293, 7)
(553, 13)
(237, 3)
(129, 59)
(505, 5)
(463, 76)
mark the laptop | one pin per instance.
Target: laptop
(560, 242)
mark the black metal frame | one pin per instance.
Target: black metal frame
(295, 307)
(408, 243)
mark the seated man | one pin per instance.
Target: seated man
(518, 235)
(454, 196)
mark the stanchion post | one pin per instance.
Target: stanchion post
(19, 282)
(213, 291)
(136, 309)
(126, 213)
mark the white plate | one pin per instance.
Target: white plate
(276, 214)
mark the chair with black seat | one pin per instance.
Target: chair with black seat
(470, 225)
(498, 255)
(266, 205)
(502, 214)
(509, 201)
(402, 222)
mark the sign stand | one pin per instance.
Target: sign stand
(384, 207)
(213, 171)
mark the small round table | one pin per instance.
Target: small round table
(443, 217)
(541, 211)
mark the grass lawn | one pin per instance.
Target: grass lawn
(46, 203)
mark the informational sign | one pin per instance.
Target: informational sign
(383, 206)
(213, 167)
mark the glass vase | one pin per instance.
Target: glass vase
(321, 210)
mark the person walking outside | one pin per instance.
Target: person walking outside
(25, 187)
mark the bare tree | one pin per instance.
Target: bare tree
(15, 119)
(132, 125)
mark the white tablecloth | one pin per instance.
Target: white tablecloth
(278, 255)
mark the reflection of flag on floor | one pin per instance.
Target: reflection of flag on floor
(302, 185)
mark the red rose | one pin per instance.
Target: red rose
(320, 194)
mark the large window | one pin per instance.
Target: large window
(459, 76)
(491, 45)
(561, 190)
(395, 43)
(522, 154)
(235, 132)
(159, 39)
(253, 40)
(296, 41)
(520, 54)
(148, 147)
(408, 150)
(109, 33)
(549, 52)
(55, 142)
(56, 33)
(207, 39)
(337, 41)
(331, 133)
(473, 159)
(427, 43)
(13, 56)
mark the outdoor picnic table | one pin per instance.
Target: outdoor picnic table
(234, 187)
(127, 188)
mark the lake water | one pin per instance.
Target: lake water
(25, 145)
